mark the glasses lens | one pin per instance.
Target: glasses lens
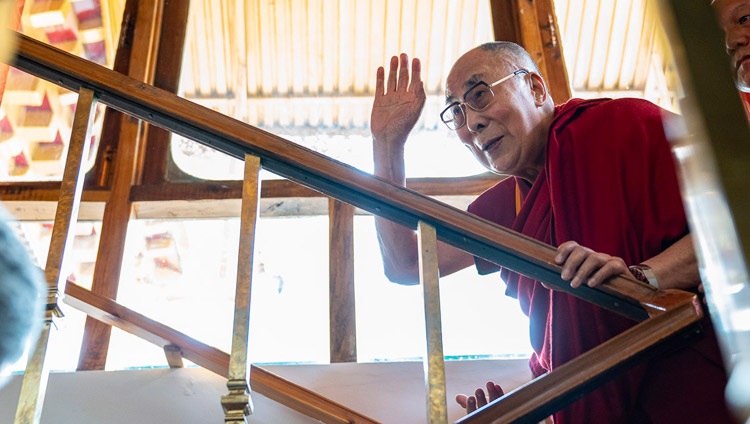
(453, 116)
(479, 97)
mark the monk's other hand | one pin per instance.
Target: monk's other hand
(480, 398)
(581, 265)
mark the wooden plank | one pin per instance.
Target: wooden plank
(101, 174)
(341, 305)
(504, 21)
(34, 387)
(236, 403)
(174, 356)
(546, 394)
(264, 382)
(154, 157)
(434, 362)
(556, 73)
(118, 209)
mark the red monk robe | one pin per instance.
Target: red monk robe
(609, 183)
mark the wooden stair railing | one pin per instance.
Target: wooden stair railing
(264, 382)
(306, 167)
(477, 236)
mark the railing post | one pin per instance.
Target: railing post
(434, 365)
(237, 404)
(34, 384)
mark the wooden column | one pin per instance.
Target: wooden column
(532, 24)
(35, 378)
(154, 157)
(118, 208)
(434, 364)
(237, 404)
(342, 317)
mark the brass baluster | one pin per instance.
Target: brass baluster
(35, 378)
(434, 365)
(237, 404)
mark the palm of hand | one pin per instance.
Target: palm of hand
(395, 112)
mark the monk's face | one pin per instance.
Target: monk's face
(505, 137)
(734, 18)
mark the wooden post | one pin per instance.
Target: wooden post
(118, 208)
(342, 317)
(34, 384)
(237, 404)
(434, 365)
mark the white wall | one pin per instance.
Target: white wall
(388, 392)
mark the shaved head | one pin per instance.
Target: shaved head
(508, 50)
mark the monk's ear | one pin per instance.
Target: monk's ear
(538, 88)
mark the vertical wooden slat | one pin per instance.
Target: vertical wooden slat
(342, 321)
(237, 404)
(154, 158)
(34, 383)
(174, 356)
(555, 70)
(101, 174)
(532, 24)
(434, 364)
(504, 22)
(118, 208)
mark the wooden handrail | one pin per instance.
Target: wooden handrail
(343, 182)
(546, 394)
(262, 381)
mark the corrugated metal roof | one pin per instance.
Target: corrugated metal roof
(300, 67)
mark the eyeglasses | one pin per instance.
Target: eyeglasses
(478, 98)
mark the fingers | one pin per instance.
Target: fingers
(581, 265)
(563, 251)
(416, 76)
(481, 398)
(398, 76)
(392, 72)
(494, 390)
(469, 403)
(380, 81)
(462, 400)
(403, 75)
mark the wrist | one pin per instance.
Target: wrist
(643, 272)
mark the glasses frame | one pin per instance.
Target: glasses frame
(462, 104)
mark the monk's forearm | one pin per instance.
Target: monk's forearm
(677, 266)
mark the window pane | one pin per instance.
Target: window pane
(478, 319)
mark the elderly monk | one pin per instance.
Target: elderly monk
(595, 178)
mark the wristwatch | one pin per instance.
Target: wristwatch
(643, 272)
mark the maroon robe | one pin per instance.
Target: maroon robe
(609, 183)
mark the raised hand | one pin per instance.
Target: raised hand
(398, 102)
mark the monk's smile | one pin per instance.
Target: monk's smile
(493, 143)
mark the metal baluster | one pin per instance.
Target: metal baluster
(237, 404)
(34, 384)
(434, 365)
